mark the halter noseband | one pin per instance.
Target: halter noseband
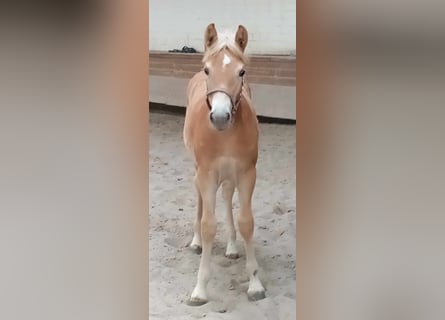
(234, 104)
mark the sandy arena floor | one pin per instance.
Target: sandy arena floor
(173, 267)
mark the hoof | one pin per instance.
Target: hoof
(232, 256)
(196, 302)
(196, 249)
(257, 295)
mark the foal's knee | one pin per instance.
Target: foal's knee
(208, 228)
(245, 224)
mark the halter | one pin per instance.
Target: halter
(234, 104)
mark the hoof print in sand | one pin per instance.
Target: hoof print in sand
(233, 284)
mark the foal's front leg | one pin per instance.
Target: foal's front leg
(207, 187)
(246, 186)
(195, 245)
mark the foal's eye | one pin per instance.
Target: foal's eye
(242, 72)
(206, 71)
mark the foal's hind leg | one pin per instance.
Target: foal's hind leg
(246, 186)
(195, 245)
(227, 190)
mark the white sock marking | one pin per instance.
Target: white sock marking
(196, 241)
(231, 248)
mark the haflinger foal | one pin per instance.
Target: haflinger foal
(221, 134)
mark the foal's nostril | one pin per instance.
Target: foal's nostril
(219, 119)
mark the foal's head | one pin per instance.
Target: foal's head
(224, 62)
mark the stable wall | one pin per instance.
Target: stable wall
(271, 46)
(176, 23)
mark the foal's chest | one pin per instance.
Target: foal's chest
(226, 168)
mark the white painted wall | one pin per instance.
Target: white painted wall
(176, 23)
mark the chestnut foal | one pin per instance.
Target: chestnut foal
(221, 134)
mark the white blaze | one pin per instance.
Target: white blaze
(226, 60)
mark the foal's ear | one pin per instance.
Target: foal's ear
(210, 36)
(241, 37)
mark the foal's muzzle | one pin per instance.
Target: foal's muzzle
(220, 120)
(220, 114)
(218, 90)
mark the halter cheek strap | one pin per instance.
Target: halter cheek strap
(233, 104)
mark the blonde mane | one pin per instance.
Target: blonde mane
(226, 40)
